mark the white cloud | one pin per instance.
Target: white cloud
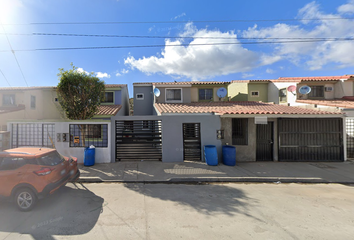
(346, 8)
(179, 16)
(102, 75)
(198, 62)
(247, 75)
(81, 70)
(122, 72)
(98, 74)
(314, 55)
(269, 71)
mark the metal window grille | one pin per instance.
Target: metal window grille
(32, 134)
(239, 131)
(282, 95)
(85, 135)
(350, 137)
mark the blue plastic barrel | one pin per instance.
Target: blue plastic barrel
(211, 155)
(229, 155)
(89, 158)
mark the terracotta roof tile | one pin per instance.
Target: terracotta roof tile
(331, 103)
(234, 108)
(323, 78)
(54, 87)
(12, 109)
(108, 109)
(182, 83)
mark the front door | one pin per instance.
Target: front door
(264, 151)
(191, 142)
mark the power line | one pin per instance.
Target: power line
(13, 52)
(174, 45)
(5, 78)
(194, 21)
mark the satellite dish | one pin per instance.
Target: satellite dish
(221, 92)
(157, 92)
(305, 90)
(291, 88)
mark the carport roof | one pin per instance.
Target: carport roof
(341, 103)
(108, 109)
(248, 107)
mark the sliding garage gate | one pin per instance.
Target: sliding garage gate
(138, 140)
(310, 139)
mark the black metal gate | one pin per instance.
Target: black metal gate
(311, 139)
(191, 142)
(138, 140)
(264, 145)
(33, 134)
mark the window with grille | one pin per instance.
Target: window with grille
(174, 94)
(316, 92)
(94, 134)
(108, 97)
(205, 94)
(239, 131)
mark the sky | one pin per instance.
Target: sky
(127, 41)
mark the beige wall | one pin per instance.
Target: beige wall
(238, 91)
(195, 93)
(46, 107)
(327, 95)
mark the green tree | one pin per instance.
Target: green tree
(79, 94)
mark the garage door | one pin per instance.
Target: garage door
(138, 140)
(310, 139)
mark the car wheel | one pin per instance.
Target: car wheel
(25, 199)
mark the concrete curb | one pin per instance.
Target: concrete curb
(217, 180)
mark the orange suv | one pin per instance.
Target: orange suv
(28, 174)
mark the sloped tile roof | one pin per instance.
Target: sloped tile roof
(53, 87)
(108, 109)
(331, 103)
(323, 78)
(222, 108)
(12, 109)
(182, 83)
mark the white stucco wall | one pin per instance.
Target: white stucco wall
(273, 92)
(102, 155)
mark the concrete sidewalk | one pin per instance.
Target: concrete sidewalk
(189, 172)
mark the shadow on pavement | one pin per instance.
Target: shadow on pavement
(206, 199)
(72, 210)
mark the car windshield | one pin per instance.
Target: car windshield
(51, 159)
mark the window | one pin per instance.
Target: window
(33, 102)
(282, 95)
(316, 92)
(8, 100)
(255, 94)
(95, 134)
(108, 97)
(174, 95)
(239, 131)
(205, 94)
(9, 163)
(140, 96)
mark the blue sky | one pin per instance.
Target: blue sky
(185, 25)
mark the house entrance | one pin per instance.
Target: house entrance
(191, 142)
(265, 142)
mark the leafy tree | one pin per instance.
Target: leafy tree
(79, 94)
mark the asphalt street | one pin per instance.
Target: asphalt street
(179, 211)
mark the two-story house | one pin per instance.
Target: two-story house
(34, 117)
